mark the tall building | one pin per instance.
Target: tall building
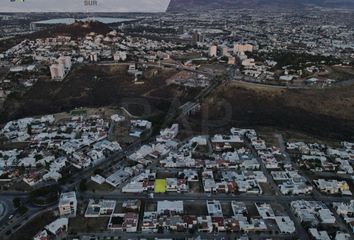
(213, 51)
(68, 204)
(66, 61)
(243, 48)
(120, 56)
(197, 37)
(248, 62)
(93, 57)
(57, 71)
(180, 30)
(231, 60)
(225, 51)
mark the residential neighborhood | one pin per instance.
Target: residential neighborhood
(177, 120)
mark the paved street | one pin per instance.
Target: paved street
(167, 235)
(222, 197)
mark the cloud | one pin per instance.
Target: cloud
(81, 6)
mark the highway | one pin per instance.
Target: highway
(178, 66)
(191, 106)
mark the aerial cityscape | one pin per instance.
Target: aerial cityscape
(176, 119)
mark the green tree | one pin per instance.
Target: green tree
(22, 210)
(83, 186)
(98, 171)
(29, 129)
(16, 202)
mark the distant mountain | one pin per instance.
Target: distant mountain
(191, 5)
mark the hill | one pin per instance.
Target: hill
(322, 112)
(95, 86)
(75, 30)
(192, 5)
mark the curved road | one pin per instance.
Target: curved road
(3, 210)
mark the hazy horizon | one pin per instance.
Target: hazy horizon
(79, 6)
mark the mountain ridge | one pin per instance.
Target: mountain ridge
(191, 5)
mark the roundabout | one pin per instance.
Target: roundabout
(3, 210)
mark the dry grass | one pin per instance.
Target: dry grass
(322, 112)
(87, 85)
(82, 224)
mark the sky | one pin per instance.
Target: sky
(79, 6)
